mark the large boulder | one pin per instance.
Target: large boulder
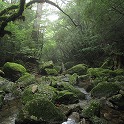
(13, 71)
(80, 69)
(42, 91)
(105, 89)
(66, 97)
(50, 71)
(45, 65)
(40, 111)
(26, 80)
(66, 86)
(118, 101)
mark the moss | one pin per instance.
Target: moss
(73, 79)
(118, 100)
(44, 91)
(105, 89)
(5, 85)
(13, 71)
(66, 97)
(26, 80)
(43, 110)
(44, 66)
(70, 88)
(93, 109)
(51, 71)
(80, 69)
(97, 120)
(98, 72)
(57, 68)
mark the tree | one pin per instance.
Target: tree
(20, 9)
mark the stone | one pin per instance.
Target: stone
(105, 89)
(80, 69)
(13, 71)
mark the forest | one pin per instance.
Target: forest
(61, 62)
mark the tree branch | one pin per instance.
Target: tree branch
(21, 6)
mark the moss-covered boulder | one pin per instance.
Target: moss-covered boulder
(73, 79)
(26, 80)
(57, 68)
(43, 91)
(93, 109)
(117, 100)
(42, 111)
(80, 69)
(48, 65)
(51, 72)
(13, 71)
(98, 72)
(6, 85)
(70, 88)
(66, 97)
(105, 89)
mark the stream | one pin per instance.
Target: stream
(11, 107)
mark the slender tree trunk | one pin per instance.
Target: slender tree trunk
(37, 33)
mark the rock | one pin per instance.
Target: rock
(105, 89)
(25, 80)
(73, 118)
(41, 110)
(73, 79)
(46, 65)
(13, 71)
(117, 100)
(93, 109)
(80, 69)
(70, 88)
(43, 91)
(51, 72)
(65, 97)
(6, 86)
(98, 72)
(34, 89)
